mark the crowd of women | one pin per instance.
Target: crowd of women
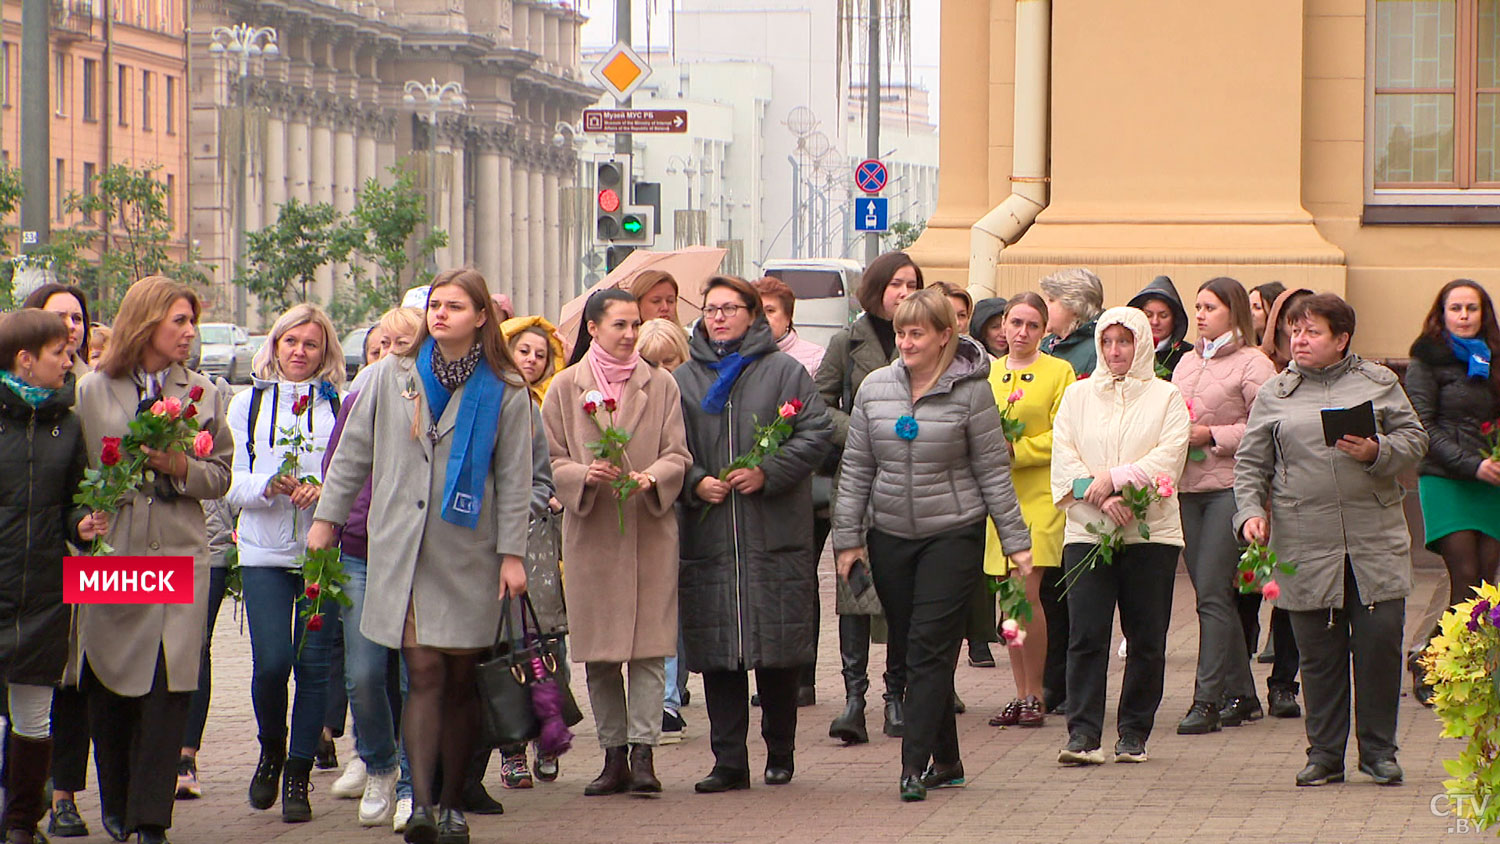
(945, 445)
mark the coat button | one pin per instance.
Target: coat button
(421, 504)
(154, 546)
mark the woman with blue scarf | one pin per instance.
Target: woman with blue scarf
(748, 581)
(447, 524)
(1455, 391)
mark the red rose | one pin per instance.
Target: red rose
(315, 622)
(590, 408)
(312, 591)
(196, 394)
(1487, 428)
(110, 455)
(796, 404)
(1247, 576)
(191, 411)
(299, 406)
(609, 405)
(1084, 375)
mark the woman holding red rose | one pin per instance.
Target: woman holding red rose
(297, 375)
(140, 661)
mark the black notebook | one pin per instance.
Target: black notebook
(1339, 421)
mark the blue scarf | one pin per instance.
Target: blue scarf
(473, 435)
(29, 393)
(1473, 351)
(729, 368)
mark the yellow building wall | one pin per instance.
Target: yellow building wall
(1190, 138)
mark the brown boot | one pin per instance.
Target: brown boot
(28, 762)
(642, 771)
(615, 778)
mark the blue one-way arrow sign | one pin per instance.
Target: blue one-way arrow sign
(870, 214)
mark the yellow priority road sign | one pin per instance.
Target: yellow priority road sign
(621, 71)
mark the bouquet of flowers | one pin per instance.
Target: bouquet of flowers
(1010, 595)
(1257, 571)
(167, 425)
(1009, 425)
(1491, 433)
(1112, 537)
(297, 442)
(768, 439)
(1461, 664)
(611, 446)
(323, 571)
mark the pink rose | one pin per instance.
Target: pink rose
(786, 411)
(203, 444)
(1272, 590)
(1019, 640)
(160, 408)
(1010, 629)
(1015, 396)
(1192, 407)
(1164, 486)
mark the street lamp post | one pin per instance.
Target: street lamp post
(243, 42)
(432, 95)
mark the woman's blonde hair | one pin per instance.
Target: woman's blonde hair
(267, 368)
(145, 305)
(932, 308)
(405, 321)
(659, 336)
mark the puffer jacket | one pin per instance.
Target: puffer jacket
(273, 531)
(954, 472)
(1220, 392)
(748, 577)
(42, 460)
(852, 355)
(1172, 350)
(1324, 505)
(1077, 348)
(1451, 406)
(1132, 426)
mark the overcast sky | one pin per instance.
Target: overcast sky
(599, 32)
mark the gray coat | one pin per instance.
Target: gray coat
(450, 575)
(954, 473)
(1323, 505)
(748, 581)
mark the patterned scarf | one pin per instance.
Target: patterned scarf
(29, 393)
(453, 374)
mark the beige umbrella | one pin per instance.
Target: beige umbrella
(692, 267)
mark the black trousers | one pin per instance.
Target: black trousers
(1370, 637)
(70, 739)
(727, 694)
(1140, 583)
(137, 741)
(1055, 664)
(1288, 658)
(926, 587)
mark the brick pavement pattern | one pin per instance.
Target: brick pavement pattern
(1235, 785)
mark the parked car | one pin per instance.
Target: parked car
(227, 351)
(354, 350)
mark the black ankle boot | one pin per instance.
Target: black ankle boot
(295, 786)
(267, 776)
(895, 717)
(27, 763)
(849, 727)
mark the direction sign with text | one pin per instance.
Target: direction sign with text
(871, 214)
(870, 175)
(635, 120)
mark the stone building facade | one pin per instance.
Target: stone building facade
(327, 114)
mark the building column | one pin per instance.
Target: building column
(320, 191)
(298, 160)
(552, 237)
(487, 219)
(458, 248)
(536, 249)
(274, 191)
(520, 239)
(367, 166)
(505, 228)
(345, 168)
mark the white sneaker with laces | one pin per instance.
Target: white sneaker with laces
(402, 815)
(379, 800)
(351, 783)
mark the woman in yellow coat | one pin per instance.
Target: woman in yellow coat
(1037, 381)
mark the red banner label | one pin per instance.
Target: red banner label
(127, 580)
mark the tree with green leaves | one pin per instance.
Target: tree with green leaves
(11, 191)
(382, 227)
(282, 259)
(903, 234)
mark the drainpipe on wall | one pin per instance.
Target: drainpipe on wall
(1006, 222)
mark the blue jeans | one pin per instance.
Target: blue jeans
(366, 667)
(198, 711)
(273, 598)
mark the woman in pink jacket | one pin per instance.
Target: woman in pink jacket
(1219, 380)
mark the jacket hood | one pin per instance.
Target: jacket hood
(515, 325)
(757, 341)
(1162, 288)
(1273, 316)
(1143, 366)
(970, 360)
(984, 311)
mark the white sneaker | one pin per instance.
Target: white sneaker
(402, 815)
(351, 783)
(379, 801)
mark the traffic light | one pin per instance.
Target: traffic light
(614, 256)
(649, 193)
(635, 226)
(610, 178)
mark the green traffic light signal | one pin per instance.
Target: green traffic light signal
(632, 225)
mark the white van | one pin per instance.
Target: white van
(826, 291)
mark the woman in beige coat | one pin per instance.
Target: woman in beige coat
(140, 661)
(622, 586)
(444, 434)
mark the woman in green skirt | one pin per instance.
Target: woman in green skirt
(1456, 392)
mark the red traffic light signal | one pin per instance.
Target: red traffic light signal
(609, 201)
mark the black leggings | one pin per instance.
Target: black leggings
(439, 721)
(1472, 557)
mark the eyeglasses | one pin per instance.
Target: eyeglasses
(729, 311)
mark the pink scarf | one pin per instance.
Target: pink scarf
(610, 373)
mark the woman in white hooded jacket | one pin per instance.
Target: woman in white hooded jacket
(301, 366)
(1121, 426)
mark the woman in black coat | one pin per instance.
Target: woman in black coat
(748, 580)
(1456, 392)
(42, 460)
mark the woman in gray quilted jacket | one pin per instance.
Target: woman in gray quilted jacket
(924, 465)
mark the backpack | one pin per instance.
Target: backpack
(256, 393)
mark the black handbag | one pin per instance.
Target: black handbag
(503, 680)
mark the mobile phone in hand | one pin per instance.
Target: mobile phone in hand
(1081, 487)
(859, 578)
